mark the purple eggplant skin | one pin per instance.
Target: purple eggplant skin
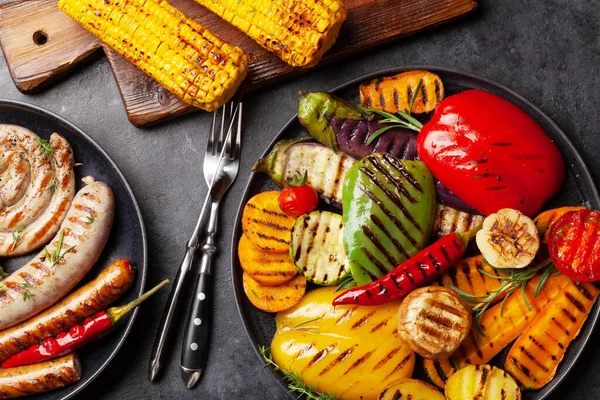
(346, 127)
(447, 198)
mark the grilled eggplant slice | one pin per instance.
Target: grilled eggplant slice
(482, 382)
(413, 389)
(317, 247)
(534, 357)
(450, 220)
(350, 351)
(324, 168)
(388, 212)
(433, 321)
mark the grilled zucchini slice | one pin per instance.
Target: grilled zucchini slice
(317, 247)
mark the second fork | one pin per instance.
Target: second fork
(196, 337)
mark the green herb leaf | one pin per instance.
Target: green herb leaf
(416, 93)
(90, 218)
(346, 283)
(45, 146)
(53, 185)
(3, 274)
(381, 131)
(297, 180)
(56, 255)
(16, 234)
(550, 270)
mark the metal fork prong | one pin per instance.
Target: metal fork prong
(211, 137)
(222, 133)
(238, 139)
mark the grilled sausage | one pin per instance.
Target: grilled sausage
(15, 175)
(93, 297)
(54, 272)
(38, 233)
(433, 321)
(39, 378)
(38, 194)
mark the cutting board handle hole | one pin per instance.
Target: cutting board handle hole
(40, 37)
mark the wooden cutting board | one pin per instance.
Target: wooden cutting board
(41, 44)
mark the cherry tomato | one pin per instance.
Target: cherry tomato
(298, 200)
(574, 245)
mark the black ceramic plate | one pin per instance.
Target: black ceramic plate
(578, 189)
(127, 238)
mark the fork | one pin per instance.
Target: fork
(195, 341)
(218, 175)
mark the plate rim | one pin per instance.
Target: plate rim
(141, 272)
(584, 337)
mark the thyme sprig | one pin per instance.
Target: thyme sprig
(516, 279)
(56, 255)
(295, 382)
(45, 146)
(16, 234)
(27, 295)
(402, 119)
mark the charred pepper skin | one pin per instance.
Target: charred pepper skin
(419, 270)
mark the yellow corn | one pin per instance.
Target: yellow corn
(188, 60)
(298, 31)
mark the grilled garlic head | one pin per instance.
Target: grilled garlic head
(508, 239)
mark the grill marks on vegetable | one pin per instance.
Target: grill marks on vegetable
(449, 220)
(265, 224)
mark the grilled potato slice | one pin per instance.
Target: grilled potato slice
(433, 321)
(354, 352)
(482, 382)
(410, 389)
(266, 267)
(547, 218)
(438, 371)
(472, 276)
(395, 93)
(508, 239)
(265, 224)
(317, 247)
(534, 357)
(274, 298)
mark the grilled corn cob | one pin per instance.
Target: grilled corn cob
(297, 31)
(188, 60)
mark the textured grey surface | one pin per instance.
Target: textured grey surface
(548, 51)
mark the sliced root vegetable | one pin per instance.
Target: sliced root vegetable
(317, 247)
(472, 275)
(482, 382)
(508, 239)
(534, 357)
(438, 371)
(265, 225)
(266, 267)
(274, 298)
(544, 220)
(411, 389)
(500, 325)
(396, 93)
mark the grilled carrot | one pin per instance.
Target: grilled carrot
(502, 324)
(396, 93)
(534, 357)
(471, 275)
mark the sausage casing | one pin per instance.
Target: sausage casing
(91, 298)
(39, 378)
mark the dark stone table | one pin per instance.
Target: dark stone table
(548, 51)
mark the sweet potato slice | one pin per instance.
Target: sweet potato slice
(266, 267)
(547, 218)
(274, 298)
(411, 389)
(395, 93)
(535, 356)
(502, 324)
(467, 275)
(265, 224)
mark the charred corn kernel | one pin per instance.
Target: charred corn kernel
(298, 31)
(188, 60)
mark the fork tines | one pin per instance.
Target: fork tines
(229, 113)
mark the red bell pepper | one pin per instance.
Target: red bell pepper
(574, 245)
(78, 335)
(491, 154)
(417, 271)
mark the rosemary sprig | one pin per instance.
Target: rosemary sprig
(301, 324)
(295, 382)
(27, 295)
(16, 234)
(416, 93)
(346, 283)
(516, 279)
(56, 255)
(45, 146)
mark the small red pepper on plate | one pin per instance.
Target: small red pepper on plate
(67, 342)
(415, 272)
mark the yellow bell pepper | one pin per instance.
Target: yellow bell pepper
(350, 351)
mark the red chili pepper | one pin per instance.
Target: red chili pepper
(574, 244)
(491, 154)
(78, 335)
(420, 269)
